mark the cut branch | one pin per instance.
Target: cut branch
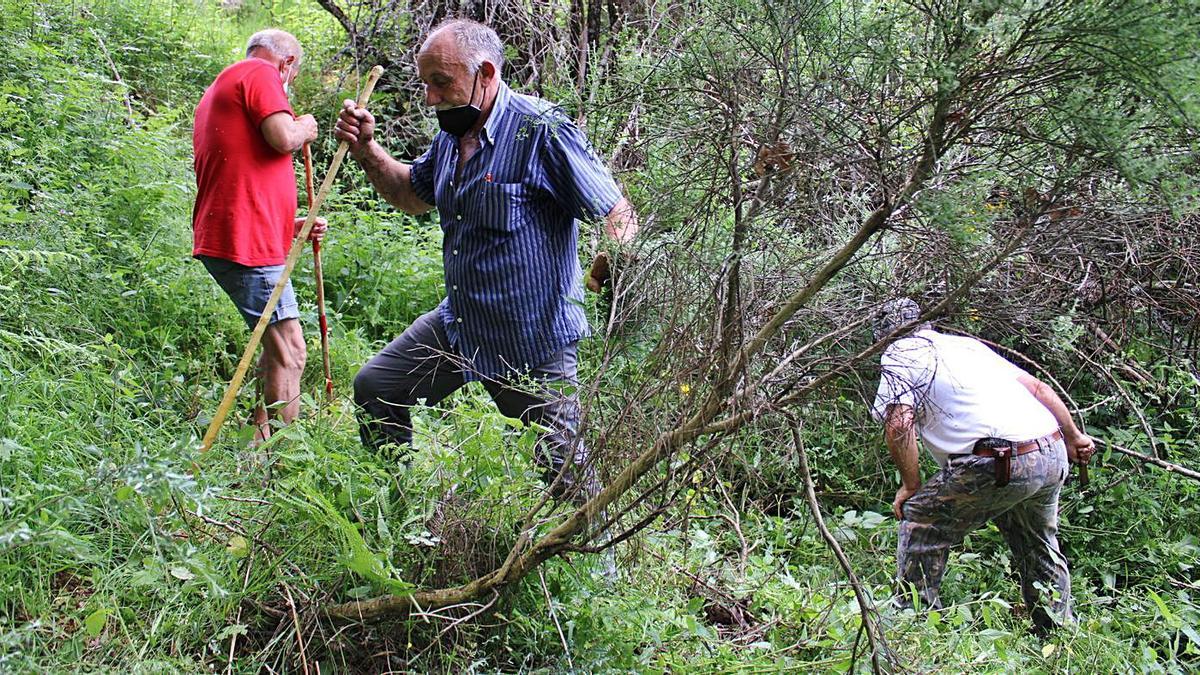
(559, 539)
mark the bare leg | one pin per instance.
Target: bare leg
(282, 363)
(262, 429)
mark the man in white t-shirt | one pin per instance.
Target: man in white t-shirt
(1003, 440)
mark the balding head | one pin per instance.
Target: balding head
(473, 43)
(278, 43)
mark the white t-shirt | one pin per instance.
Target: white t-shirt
(961, 392)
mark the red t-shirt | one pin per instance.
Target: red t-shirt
(246, 190)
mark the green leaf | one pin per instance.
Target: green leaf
(8, 447)
(1190, 631)
(356, 554)
(1167, 614)
(94, 623)
(231, 630)
(237, 546)
(872, 519)
(992, 634)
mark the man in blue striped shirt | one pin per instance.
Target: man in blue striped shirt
(510, 176)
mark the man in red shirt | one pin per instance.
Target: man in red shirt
(244, 219)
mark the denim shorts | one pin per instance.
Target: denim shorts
(251, 287)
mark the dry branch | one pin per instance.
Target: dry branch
(882, 658)
(1162, 464)
(696, 425)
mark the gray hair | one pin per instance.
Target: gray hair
(476, 42)
(279, 42)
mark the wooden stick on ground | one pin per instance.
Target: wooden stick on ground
(299, 629)
(1162, 464)
(298, 247)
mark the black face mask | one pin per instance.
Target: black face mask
(457, 121)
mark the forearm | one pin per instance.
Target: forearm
(621, 223)
(392, 179)
(286, 134)
(906, 457)
(1048, 398)
(294, 136)
(901, 438)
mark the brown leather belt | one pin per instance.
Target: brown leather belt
(1004, 451)
(1017, 449)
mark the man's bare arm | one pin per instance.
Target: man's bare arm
(900, 435)
(621, 223)
(287, 134)
(391, 178)
(1079, 445)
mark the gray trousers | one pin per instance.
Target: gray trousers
(421, 365)
(962, 497)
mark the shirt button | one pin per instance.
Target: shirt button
(458, 217)
(459, 319)
(455, 251)
(455, 288)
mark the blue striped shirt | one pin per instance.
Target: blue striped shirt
(510, 233)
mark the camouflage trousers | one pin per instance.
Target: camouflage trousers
(961, 498)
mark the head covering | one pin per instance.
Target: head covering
(894, 314)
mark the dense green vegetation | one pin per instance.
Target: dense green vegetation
(122, 548)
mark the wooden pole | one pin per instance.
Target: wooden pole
(214, 427)
(308, 185)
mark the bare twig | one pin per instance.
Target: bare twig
(554, 616)
(882, 658)
(1162, 464)
(299, 629)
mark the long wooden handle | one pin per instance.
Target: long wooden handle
(298, 246)
(320, 278)
(308, 175)
(324, 323)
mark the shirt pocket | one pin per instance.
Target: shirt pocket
(502, 207)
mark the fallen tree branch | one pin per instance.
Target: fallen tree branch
(701, 422)
(1160, 463)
